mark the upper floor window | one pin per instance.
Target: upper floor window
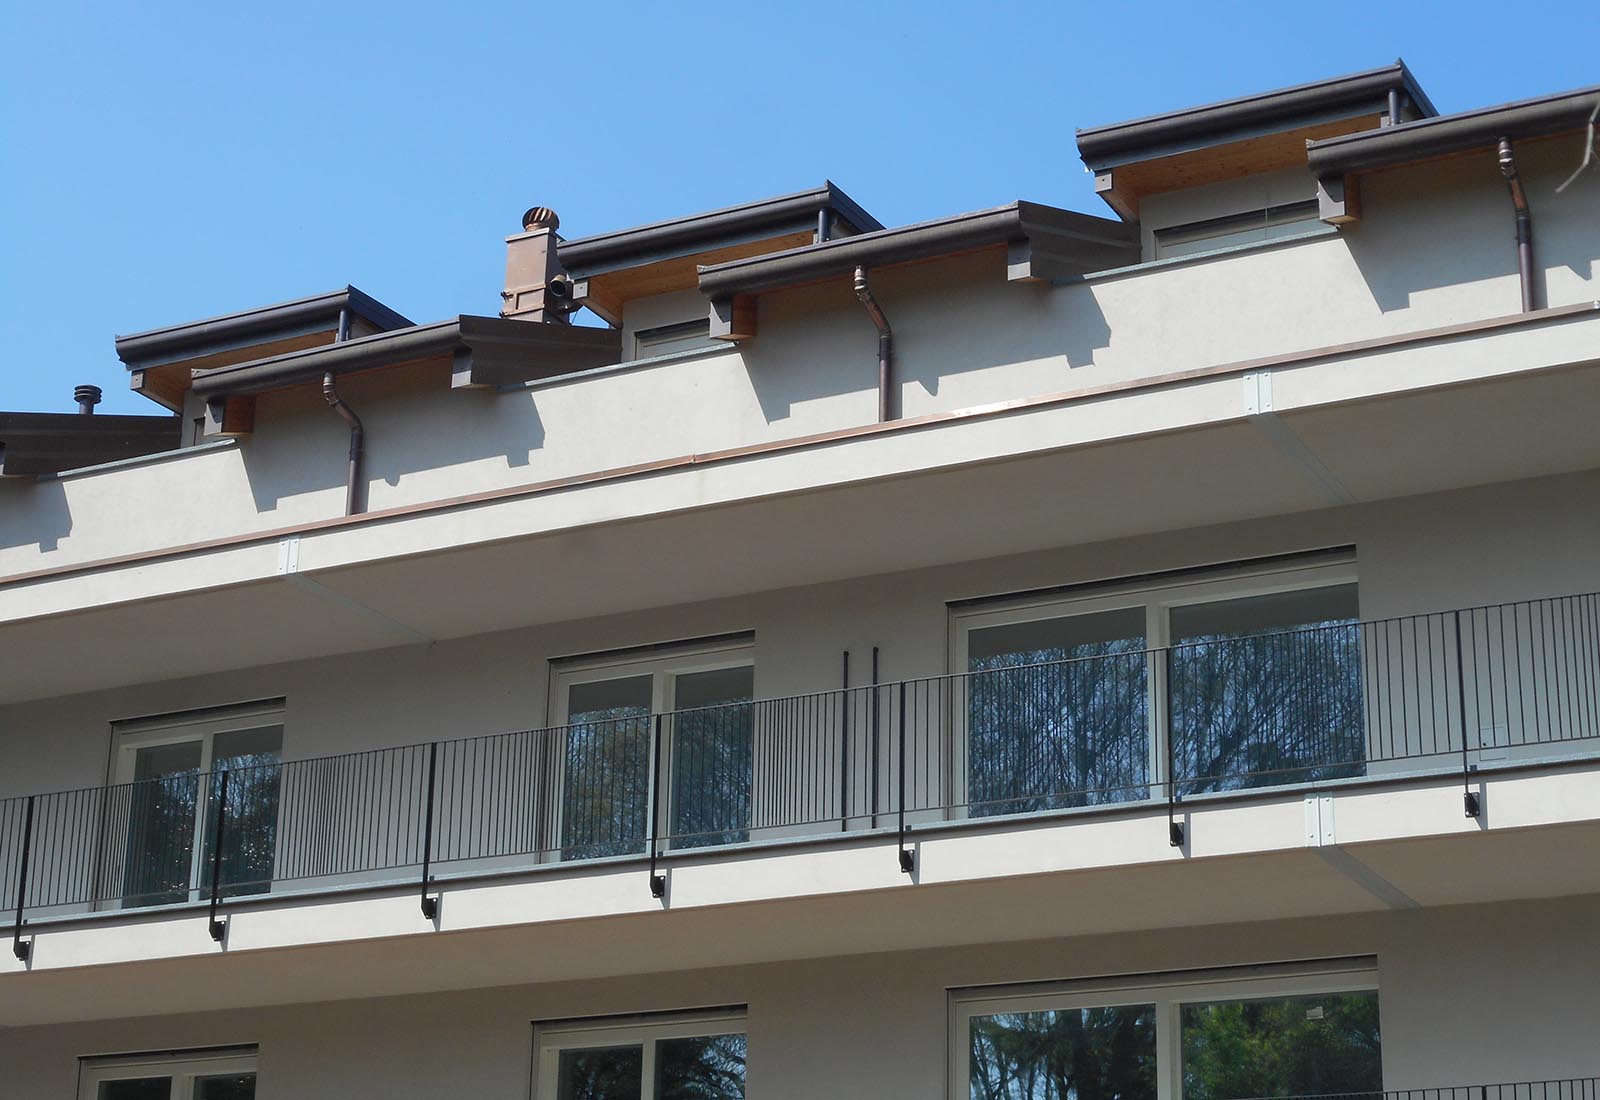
(691, 1057)
(168, 775)
(1270, 1032)
(199, 1075)
(1245, 678)
(1258, 225)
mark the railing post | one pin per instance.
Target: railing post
(1469, 797)
(877, 716)
(218, 928)
(18, 948)
(430, 904)
(658, 882)
(908, 858)
(1175, 830)
(844, 748)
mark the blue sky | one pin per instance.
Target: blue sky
(164, 163)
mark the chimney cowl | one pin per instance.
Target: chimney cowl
(87, 398)
(540, 217)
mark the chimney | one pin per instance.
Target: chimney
(87, 398)
(536, 287)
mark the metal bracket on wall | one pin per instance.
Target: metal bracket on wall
(1259, 409)
(289, 569)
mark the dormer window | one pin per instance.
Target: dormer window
(667, 339)
(1236, 229)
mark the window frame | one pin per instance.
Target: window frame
(673, 338)
(182, 1067)
(1158, 596)
(130, 735)
(550, 1038)
(1298, 212)
(1168, 992)
(664, 665)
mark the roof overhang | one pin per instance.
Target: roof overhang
(1042, 243)
(610, 269)
(1257, 133)
(48, 443)
(162, 360)
(484, 351)
(1337, 162)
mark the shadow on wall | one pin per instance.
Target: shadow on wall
(1464, 201)
(946, 327)
(950, 318)
(814, 342)
(413, 422)
(33, 513)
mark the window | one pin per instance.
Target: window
(666, 339)
(168, 773)
(220, 1075)
(1253, 675)
(690, 1057)
(1231, 1035)
(604, 706)
(1258, 225)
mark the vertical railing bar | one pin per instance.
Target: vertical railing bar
(1469, 797)
(907, 858)
(429, 904)
(658, 882)
(218, 928)
(18, 948)
(877, 750)
(1175, 828)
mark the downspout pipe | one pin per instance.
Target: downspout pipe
(1519, 203)
(885, 342)
(358, 435)
(352, 490)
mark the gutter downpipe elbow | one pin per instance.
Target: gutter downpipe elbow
(352, 490)
(885, 342)
(1519, 203)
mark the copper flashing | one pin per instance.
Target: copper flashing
(999, 408)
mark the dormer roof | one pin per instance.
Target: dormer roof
(1238, 137)
(160, 361)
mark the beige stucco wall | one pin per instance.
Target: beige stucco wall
(1432, 250)
(1507, 542)
(1468, 995)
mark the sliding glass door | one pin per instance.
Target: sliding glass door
(1233, 681)
(605, 709)
(1300, 1033)
(161, 817)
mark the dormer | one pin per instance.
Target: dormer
(645, 280)
(1235, 172)
(161, 362)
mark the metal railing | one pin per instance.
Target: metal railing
(1445, 691)
(1565, 1088)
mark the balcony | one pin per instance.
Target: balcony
(1117, 728)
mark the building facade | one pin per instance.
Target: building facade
(1021, 655)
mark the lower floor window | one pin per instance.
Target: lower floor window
(219, 1075)
(1241, 1037)
(689, 1057)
